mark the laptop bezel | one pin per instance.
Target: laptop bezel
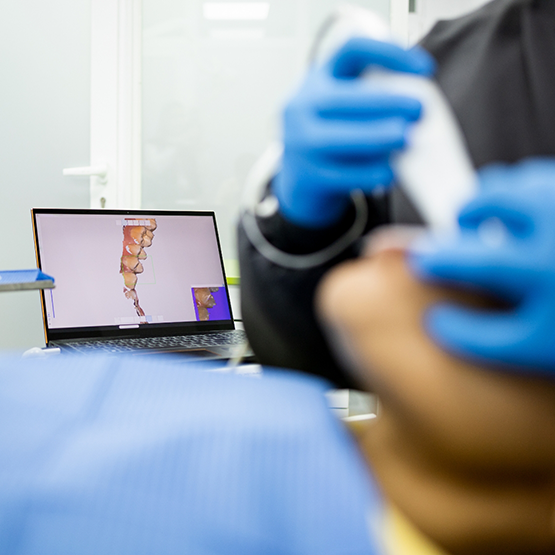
(60, 335)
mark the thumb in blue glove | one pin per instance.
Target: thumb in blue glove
(339, 134)
(506, 249)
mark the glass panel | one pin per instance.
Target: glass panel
(212, 92)
(45, 114)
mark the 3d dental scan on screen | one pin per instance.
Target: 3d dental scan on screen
(137, 236)
(122, 277)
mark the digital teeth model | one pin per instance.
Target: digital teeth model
(205, 300)
(137, 235)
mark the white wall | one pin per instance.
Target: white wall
(44, 127)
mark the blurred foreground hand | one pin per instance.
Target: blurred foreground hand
(506, 249)
(339, 133)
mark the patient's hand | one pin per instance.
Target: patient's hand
(466, 452)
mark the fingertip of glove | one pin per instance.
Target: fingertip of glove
(421, 61)
(358, 53)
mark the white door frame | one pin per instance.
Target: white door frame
(116, 103)
(399, 20)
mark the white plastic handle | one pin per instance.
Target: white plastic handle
(88, 171)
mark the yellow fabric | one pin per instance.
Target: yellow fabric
(402, 538)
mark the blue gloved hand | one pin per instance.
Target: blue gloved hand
(506, 248)
(339, 133)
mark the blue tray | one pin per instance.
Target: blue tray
(16, 280)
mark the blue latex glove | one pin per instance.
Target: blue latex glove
(506, 248)
(339, 133)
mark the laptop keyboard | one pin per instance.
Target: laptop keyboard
(216, 339)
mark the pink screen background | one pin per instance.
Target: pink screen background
(83, 252)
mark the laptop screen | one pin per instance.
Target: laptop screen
(141, 273)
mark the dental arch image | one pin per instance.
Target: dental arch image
(137, 236)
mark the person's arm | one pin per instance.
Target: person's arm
(338, 137)
(277, 303)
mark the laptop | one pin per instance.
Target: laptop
(135, 282)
